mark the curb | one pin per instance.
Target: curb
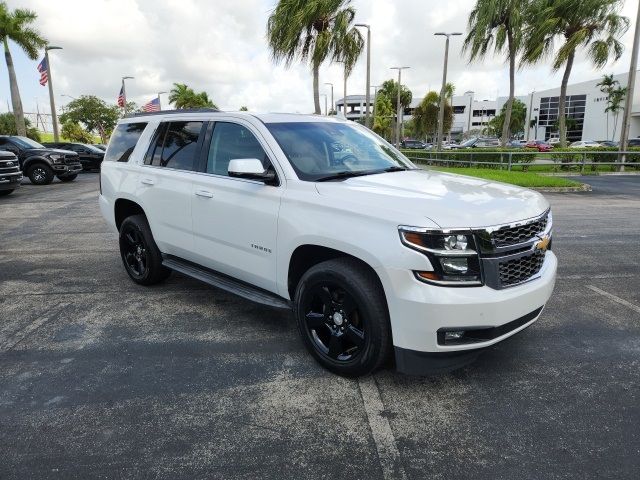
(582, 188)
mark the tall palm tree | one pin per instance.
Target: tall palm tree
(15, 26)
(497, 25)
(183, 96)
(592, 24)
(313, 31)
(607, 85)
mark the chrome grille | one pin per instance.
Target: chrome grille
(514, 235)
(520, 269)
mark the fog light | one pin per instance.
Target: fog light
(451, 336)
(455, 265)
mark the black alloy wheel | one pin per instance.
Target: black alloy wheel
(140, 254)
(333, 322)
(134, 251)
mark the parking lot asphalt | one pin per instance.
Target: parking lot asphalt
(101, 378)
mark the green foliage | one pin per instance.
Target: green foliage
(244, 109)
(74, 132)
(384, 115)
(92, 112)
(16, 26)
(425, 116)
(390, 89)
(517, 123)
(183, 96)
(8, 126)
(522, 179)
(615, 97)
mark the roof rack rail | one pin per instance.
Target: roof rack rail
(164, 112)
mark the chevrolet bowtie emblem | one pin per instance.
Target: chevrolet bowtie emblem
(543, 244)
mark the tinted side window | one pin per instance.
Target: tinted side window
(123, 141)
(181, 145)
(232, 141)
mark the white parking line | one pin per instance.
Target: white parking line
(611, 296)
(388, 453)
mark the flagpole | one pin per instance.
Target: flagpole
(124, 94)
(52, 103)
(160, 104)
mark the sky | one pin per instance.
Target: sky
(219, 46)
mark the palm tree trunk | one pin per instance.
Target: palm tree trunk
(563, 101)
(316, 88)
(506, 127)
(18, 113)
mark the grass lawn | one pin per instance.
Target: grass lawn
(48, 137)
(522, 179)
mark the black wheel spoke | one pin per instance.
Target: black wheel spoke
(355, 336)
(140, 266)
(315, 320)
(129, 238)
(349, 304)
(325, 297)
(335, 346)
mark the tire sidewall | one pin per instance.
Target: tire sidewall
(154, 272)
(48, 174)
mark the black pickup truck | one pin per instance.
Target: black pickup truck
(10, 174)
(40, 163)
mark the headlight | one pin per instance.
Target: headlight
(56, 158)
(453, 255)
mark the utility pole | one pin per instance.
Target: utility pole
(399, 109)
(367, 95)
(52, 103)
(631, 83)
(344, 101)
(444, 86)
(333, 106)
(325, 103)
(124, 93)
(529, 115)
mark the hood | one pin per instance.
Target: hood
(449, 200)
(46, 151)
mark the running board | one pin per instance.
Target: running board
(226, 283)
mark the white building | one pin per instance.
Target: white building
(585, 104)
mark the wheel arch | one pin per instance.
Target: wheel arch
(29, 162)
(124, 208)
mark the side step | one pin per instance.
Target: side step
(226, 283)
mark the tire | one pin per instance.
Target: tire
(140, 255)
(68, 178)
(40, 174)
(5, 192)
(342, 316)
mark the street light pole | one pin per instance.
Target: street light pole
(444, 86)
(325, 103)
(124, 93)
(375, 97)
(631, 83)
(52, 103)
(333, 106)
(159, 103)
(367, 96)
(399, 109)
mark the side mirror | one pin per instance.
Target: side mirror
(251, 169)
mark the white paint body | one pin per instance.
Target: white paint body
(215, 221)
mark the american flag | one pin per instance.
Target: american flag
(42, 68)
(152, 106)
(121, 99)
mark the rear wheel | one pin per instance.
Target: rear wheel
(140, 255)
(343, 318)
(68, 178)
(40, 174)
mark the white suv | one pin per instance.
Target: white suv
(374, 255)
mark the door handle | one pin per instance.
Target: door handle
(204, 193)
(147, 181)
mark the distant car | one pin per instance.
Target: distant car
(480, 143)
(414, 145)
(449, 145)
(585, 144)
(90, 156)
(554, 141)
(609, 143)
(633, 142)
(100, 146)
(516, 144)
(539, 145)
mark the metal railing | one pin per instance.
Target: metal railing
(580, 160)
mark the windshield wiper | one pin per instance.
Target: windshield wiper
(358, 173)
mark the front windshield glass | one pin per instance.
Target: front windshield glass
(319, 150)
(24, 142)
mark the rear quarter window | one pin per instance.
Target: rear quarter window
(123, 141)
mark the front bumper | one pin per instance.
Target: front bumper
(418, 310)
(10, 181)
(63, 170)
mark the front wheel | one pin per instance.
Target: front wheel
(342, 316)
(68, 178)
(40, 174)
(140, 255)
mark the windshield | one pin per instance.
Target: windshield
(320, 150)
(469, 142)
(24, 142)
(92, 149)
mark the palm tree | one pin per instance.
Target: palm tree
(183, 96)
(498, 25)
(607, 85)
(314, 31)
(614, 105)
(15, 26)
(592, 24)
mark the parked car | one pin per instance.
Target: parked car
(100, 146)
(538, 145)
(585, 144)
(609, 143)
(90, 156)
(480, 143)
(517, 143)
(414, 145)
(374, 255)
(10, 174)
(41, 163)
(633, 142)
(554, 141)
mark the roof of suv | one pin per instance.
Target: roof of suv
(206, 113)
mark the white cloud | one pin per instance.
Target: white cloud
(219, 46)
